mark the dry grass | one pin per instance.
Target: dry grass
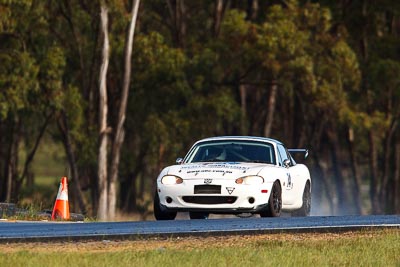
(364, 248)
(186, 244)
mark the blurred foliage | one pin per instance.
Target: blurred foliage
(189, 88)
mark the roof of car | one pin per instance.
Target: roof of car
(253, 138)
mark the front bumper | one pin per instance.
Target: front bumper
(231, 199)
(238, 210)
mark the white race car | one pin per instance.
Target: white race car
(234, 175)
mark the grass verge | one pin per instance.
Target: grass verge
(365, 248)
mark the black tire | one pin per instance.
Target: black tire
(198, 215)
(274, 203)
(306, 207)
(159, 213)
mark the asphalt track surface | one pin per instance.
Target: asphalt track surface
(79, 231)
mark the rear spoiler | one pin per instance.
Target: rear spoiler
(299, 150)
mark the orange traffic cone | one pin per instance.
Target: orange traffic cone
(61, 207)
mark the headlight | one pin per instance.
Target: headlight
(171, 179)
(250, 180)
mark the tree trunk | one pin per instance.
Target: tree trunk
(76, 185)
(103, 112)
(342, 205)
(243, 106)
(119, 131)
(177, 12)
(364, 31)
(131, 189)
(299, 121)
(384, 192)
(271, 108)
(11, 161)
(220, 7)
(252, 9)
(397, 179)
(31, 155)
(373, 163)
(320, 183)
(3, 163)
(356, 173)
(68, 15)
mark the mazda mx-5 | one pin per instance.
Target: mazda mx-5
(234, 175)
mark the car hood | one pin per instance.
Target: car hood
(219, 170)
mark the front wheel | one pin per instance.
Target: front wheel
(274, 206)
(306, 207)
(159, 213)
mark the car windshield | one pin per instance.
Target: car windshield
(232, 151)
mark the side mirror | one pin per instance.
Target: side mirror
(286, 163)
(179, 161)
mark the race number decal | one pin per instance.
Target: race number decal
(289, 184)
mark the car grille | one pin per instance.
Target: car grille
(209, 200)
(207, 189)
